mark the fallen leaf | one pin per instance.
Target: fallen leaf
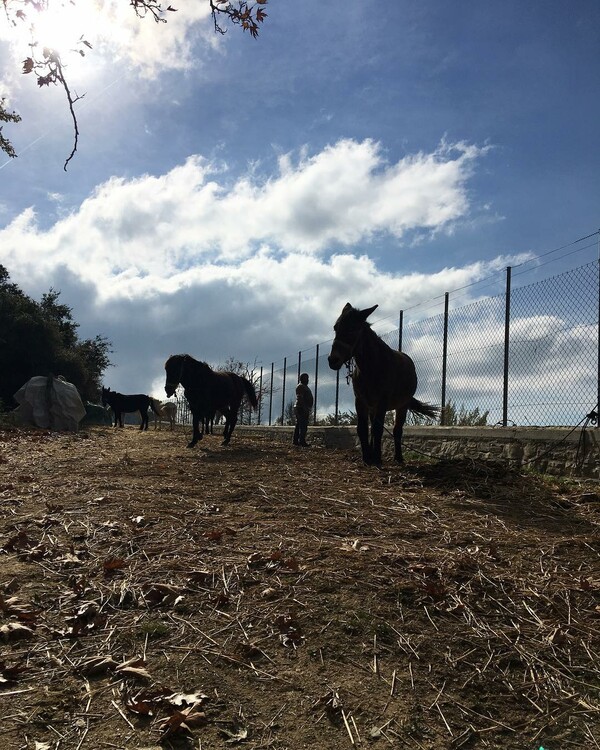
(13, 630)
(97, 665)
(237, 733)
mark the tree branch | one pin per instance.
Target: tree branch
(48, 68)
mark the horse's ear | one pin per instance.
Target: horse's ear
(347, 307)
(365, 313)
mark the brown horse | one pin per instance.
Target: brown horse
(383, 379)
(208, 391)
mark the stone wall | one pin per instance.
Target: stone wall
(560, 451)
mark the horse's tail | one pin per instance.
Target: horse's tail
(250, 392)
(426, 410)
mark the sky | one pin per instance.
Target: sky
(229, 195)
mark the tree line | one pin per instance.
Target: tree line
(40, 338)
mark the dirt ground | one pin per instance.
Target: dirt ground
(266, 596)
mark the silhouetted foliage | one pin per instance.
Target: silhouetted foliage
(252, 373)
(464, 417)
(344, 418)
(40, 338)
(6, 116)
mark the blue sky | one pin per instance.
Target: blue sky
(229, 195)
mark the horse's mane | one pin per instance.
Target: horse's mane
(189, 356)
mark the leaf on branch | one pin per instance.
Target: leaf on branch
(45, 80)
(174, 10)
(27, 65)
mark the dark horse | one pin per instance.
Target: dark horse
(207, 391)
(383, 379)
(123, 404)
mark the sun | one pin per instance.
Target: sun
(61, 25)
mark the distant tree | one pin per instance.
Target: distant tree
(344, 418)
(47, 65)
(40, 338)
(464, 417)
(289, 417)
(252, 373)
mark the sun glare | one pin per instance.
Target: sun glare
(62, 26)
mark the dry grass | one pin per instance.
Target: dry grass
(284, 598)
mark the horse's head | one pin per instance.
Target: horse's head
(348, 329)
(174, 368)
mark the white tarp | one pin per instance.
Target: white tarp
(50, 403)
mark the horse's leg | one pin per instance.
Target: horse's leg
(144, 420)
(362, 430)
(196, 434)
(398, 428)
(377, 425)
(230, 423)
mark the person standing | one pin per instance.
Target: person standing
(302, 406)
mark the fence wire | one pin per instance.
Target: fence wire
(540, 353)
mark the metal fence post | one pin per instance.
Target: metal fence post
(260, 387)
(337, 395)
(299, 365)
(506, 348)
(400, 326)
(444, 360)
(598, 365)
(283, 396)
(271, 393)
(316, 385)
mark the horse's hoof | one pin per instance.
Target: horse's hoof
(192, 444)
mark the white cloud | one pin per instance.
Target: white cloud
(143, 231)
(194, 261)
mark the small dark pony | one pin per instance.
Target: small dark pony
(383, 379)
(208, 391)
(123, 404)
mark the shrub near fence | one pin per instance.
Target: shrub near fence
(529, 356)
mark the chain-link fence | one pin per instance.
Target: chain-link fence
(528, 356)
